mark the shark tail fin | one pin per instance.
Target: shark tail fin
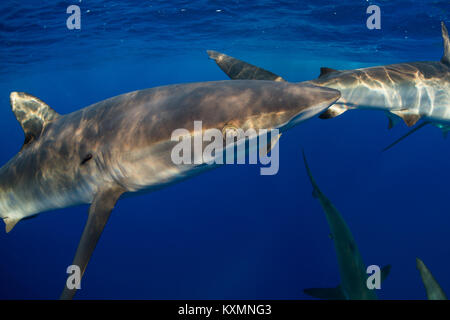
(326, 293)
(446, 57)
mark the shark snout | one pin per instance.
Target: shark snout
(312, 101)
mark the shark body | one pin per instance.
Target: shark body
(411, 91)
(432, 287)
(123, 145)
(352, 269)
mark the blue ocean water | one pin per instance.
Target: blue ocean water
(231, 233)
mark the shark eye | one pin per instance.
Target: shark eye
(86, 158)
(28, 138)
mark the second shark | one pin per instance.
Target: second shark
(351, 266)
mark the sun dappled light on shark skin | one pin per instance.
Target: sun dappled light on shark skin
(123, 145)
(408, 91)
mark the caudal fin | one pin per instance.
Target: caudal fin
(326, 293)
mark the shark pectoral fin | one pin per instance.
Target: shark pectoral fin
(333, 111)
(446, 57)
(240, 70)
(99, 212)
(406, 135)
(410, 117)
(10, 223)
(444, 128)
(265, 149)
(326, 293)
(385, 272)
(393, 119)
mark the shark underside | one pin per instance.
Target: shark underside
(123, 145)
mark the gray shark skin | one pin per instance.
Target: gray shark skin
(123, 145)
(352, 269)
(432, 287)
(411, 91)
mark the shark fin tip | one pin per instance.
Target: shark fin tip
(212, 54)
(324, 71)
(10, 223)
(31, 112)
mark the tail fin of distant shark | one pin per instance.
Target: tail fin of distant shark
(326, 293)
(446, 57)
(337, 293)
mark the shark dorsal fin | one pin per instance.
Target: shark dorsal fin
(32, 113)
(240, 70)
(324, 71)
(446, 57)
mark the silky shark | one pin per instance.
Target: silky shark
(123, 145)
(432, 287)
(410, 91)
(351, 266)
